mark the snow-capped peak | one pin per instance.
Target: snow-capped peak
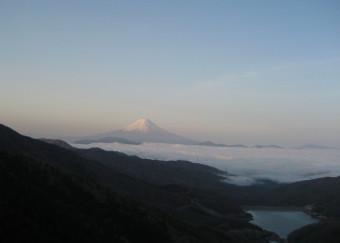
(141, 125)
(142, 131)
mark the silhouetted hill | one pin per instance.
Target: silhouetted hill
(124, 172)
(322, 195)
(212, 208)
(58, 142)
(323, 232)
(40, 203)
(11, 141)
(156, 171)
(197, 180)
(192, 177)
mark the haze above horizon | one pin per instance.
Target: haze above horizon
(250, 72)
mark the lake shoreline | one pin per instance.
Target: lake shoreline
(307, 210)
(280, 220)
(273, 208)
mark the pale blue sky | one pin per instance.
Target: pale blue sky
(263, 71)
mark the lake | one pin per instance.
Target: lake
(282, 222)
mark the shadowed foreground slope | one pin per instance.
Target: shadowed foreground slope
(52, 194)
(322, 232)
(40, 203)
(322, 195)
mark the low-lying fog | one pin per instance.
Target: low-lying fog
(247, 164)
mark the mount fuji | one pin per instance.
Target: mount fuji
(143, 130)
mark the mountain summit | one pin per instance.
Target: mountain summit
(144, 130)
(141, 125)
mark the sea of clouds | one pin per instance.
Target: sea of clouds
(246, 165)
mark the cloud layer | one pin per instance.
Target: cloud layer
(247, 165)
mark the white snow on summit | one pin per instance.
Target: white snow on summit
(142, 125)
(144, 130)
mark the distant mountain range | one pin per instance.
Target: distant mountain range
(315, 146)
(212, 144)
(138, 132)
(267, 146)
(145, 131)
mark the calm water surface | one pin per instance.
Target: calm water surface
(281, 222)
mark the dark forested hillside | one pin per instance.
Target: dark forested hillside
(327, 231)
(144, 179)
(52, 194)
(40, 203)
(11, 141)
(321, 195)
(168, 172)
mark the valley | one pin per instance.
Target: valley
(192, 201)
(170, 121)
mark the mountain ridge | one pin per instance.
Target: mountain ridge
(180, 200)
(141, 131)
